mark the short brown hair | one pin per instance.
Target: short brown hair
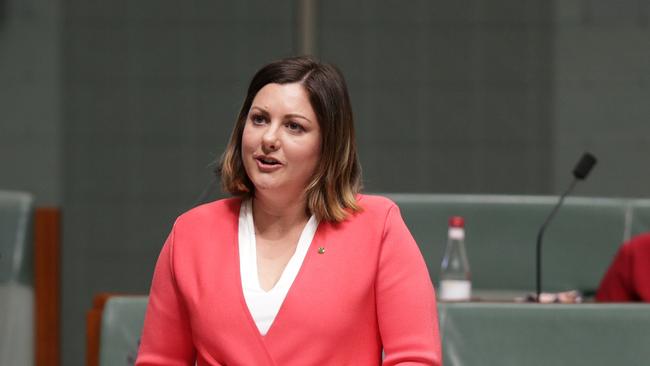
(331, 193)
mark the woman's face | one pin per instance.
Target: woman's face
(282, 140)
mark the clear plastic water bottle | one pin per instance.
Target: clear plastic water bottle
(455, 275)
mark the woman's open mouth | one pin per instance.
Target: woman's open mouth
(267, 163)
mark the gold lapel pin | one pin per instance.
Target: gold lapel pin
(321, 250)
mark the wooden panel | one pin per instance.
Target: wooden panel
(47, 245)
(94, 327)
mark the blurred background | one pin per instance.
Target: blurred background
(116, 110)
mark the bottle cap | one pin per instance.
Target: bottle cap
(456, 221)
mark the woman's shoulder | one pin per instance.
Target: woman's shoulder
(207, 212)
(375, 206)
(638, 244)
(375, 202)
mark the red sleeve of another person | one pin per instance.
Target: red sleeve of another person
(628, 277)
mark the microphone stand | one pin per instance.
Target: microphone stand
(540, 235)
(580, 172)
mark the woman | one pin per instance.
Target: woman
(298, 269)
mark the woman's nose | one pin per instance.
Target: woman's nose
(270, 139)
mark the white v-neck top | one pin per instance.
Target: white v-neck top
(263, 305)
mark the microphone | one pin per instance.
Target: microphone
(580, 172)
(584, 166)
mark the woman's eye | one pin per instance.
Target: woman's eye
(258, 119)
(293, 126)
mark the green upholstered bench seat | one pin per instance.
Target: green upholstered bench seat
(121, 327)
(501, 233)
(485, 334)
(503, 334)
(16, 246)
(16, 279)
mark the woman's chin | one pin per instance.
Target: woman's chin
(267, 186)
(277, 189)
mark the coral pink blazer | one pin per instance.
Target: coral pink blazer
(369, 291)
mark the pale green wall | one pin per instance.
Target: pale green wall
(30, 99)
(449, 96)
(602, 94)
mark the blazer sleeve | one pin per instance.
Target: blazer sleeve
(406, 304)
(617, 284)
(166, 336)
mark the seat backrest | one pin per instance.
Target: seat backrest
(121, 327)
(16, 279)
(16, 247)
(640, 216)
(544, 334)
(501, 234)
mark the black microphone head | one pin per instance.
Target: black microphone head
(584, 166)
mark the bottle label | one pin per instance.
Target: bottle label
(455, 290)
(456, 233)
